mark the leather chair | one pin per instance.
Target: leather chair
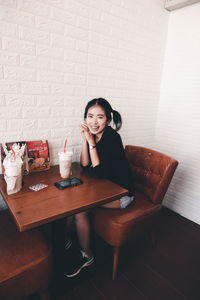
(25, 261)
(152, 172)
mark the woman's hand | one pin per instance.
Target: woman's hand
(87, 134)
(88, 137)
(83, 128)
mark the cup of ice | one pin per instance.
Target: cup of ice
(13, 168)
(65, 163)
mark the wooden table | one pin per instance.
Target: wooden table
(31, 209)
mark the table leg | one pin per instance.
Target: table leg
(58, 236)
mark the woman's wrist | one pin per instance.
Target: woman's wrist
(92, 147)
(91, 142)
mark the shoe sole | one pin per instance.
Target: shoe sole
(86, 264)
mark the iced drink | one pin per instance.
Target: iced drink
(65, 163)
(13, 176)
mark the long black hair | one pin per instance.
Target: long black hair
(111, 114)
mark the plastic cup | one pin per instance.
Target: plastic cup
(12, 169)
(65, 163)
(13, 176)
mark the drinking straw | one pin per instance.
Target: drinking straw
(65, 145)
(13, 151)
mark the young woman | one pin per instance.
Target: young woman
(103, 151)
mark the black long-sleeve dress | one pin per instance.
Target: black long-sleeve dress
(113, 164)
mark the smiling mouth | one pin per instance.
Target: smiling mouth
(95, 128)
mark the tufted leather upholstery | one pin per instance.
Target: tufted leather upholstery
(25, 261)
(152, 172)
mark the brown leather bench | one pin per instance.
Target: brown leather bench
(25, 261)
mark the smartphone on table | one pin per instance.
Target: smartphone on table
(63, 184)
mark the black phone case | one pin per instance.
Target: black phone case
(63, 184)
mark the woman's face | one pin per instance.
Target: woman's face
(96, 120)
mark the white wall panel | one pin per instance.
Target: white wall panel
(178, 122)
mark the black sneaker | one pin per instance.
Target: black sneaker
(82, 262)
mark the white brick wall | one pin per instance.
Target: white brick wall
(55, 55)
(178, 124)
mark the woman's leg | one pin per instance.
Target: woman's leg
(122, 203)
(83, 231)
(68, 226)
(113, 204)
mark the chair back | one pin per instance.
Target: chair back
(152, 171)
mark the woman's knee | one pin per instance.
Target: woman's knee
(114, 204)
(81, 216)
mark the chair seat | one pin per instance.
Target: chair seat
(116, 225)
(25, 260)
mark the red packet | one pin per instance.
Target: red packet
(38, 155)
